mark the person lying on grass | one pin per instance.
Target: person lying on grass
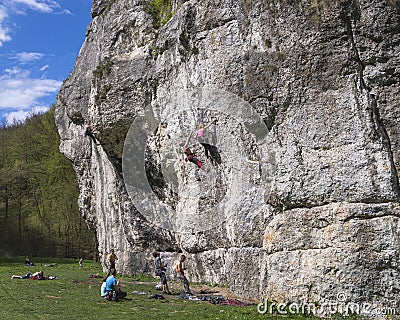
(28, 262)
(35, 276)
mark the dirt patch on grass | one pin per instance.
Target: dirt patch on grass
(198, 290)
(89, 281)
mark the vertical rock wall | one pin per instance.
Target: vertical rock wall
(323, 76)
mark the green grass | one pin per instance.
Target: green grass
(77, 296)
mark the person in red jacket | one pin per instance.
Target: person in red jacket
(191, 156)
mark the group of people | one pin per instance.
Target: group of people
(161, 269)
(38, 275)
(111, 288)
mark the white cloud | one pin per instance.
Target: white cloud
(45, 6)
(12, 7)
(19, 92)
(4, 31)
(20, 115)
(44, 67)
(23, 93)
(20, 95)
(14, 72)
(24, 57)
(3, 13)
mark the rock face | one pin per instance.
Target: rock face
(324, 78)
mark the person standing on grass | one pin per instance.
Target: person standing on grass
(80, 263)
(112, 257)
(180, 272)
(160, 271)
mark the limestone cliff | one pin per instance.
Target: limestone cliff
(323, 77)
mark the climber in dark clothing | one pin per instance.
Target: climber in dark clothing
(89, 131)
(200, 137)
(210, 151)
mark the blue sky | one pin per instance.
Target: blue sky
(39, 43)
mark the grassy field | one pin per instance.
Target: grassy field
(74, 295)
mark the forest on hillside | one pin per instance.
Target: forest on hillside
(39, 215)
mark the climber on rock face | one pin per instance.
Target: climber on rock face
(200, 137)
(190, 155)
(201, 134)
(211, 151)
(89, 131)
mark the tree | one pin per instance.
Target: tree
(39, 192)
